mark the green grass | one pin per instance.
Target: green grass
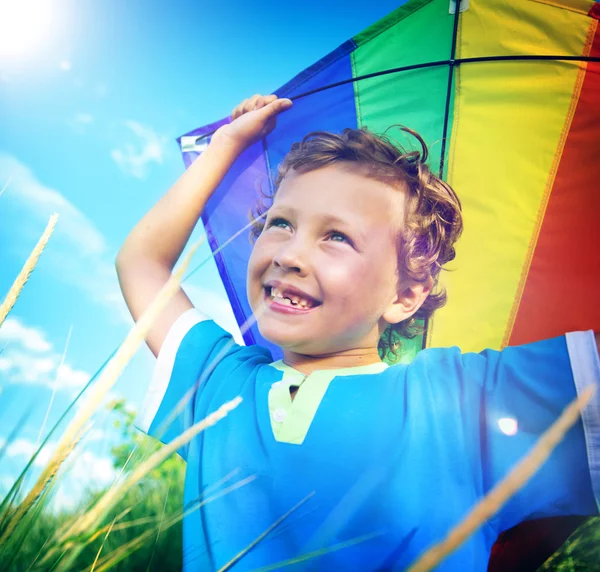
(580, 553)
(140, 536)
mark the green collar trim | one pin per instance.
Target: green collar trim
(290, 420)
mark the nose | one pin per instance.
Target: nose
(291, 256)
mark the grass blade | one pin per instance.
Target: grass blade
(320, 552)
(27, 269)
(6, 185)
(162, 518)
(103, 542)
(55, 386)
(271, 528)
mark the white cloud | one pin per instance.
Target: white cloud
(84, 118)
(65, 500)
(29, 358)
(6, 483)
(82, 465)
(80, 122)
(135, 159)
(26, 448)
(31, 338)
(77, 253)
(82, 471)
(22, 367)
(99, 90)
(88, 466)
(71, 378)
(73, 226)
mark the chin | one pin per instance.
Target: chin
(285, 341)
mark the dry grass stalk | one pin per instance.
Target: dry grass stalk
(105, 382)
(504, 490)
(20, 512)
(122, 525)
(103, 542)
(95, 514)
(123, 551)
(27, 269)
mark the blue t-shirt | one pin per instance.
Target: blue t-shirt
(391, 461)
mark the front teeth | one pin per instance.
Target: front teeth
(290, 300)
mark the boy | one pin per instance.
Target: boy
(369, 464)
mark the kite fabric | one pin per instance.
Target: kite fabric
(521, 150)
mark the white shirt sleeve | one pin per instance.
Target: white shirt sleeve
(164, 366)
(585, 364)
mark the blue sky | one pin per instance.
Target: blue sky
(92, 97)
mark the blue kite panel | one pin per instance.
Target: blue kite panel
(329, 110)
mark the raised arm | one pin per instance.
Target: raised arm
(146, 259)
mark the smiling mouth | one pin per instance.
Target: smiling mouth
(276, 298)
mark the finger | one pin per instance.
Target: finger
(238, 110)
(259, 103)
(277, 106)
(266, 100)
(243, 107)
(251, 103)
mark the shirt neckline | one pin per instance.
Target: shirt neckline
(291, 420)
(353, 370)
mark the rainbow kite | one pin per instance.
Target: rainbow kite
(507, 95)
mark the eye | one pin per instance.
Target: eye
(337, 236)
(278, 222)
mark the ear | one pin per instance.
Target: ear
(408, 300)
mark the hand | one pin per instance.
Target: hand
(253, 119)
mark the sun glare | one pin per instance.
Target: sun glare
(25, 28)
(508, 426)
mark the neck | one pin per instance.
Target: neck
(306, 364)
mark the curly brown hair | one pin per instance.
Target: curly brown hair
(432, 220)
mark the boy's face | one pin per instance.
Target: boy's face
(328, 238)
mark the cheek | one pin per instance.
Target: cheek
(254, 271)
(259, 262)
(370, 285)
(348, 280)
(257, 256)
